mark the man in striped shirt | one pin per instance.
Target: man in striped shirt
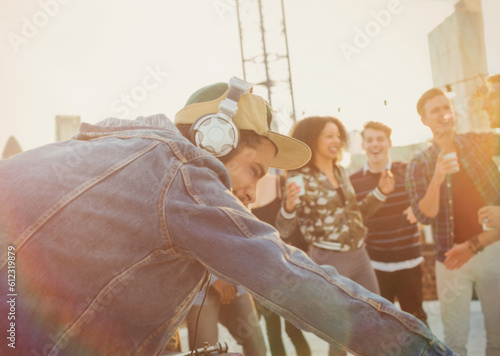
(393, 239)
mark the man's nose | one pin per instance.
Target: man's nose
(251, 194)
(447, 116)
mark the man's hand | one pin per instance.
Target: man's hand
(444, 167)
(226, 291)
(490, 215)
(386, 182)
(410, 216)
(458, 256)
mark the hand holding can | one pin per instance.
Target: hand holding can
(453, 159)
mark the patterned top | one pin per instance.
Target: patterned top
(475, 152)
(329, 218)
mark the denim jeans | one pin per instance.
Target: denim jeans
(114, 230)
(274, 337)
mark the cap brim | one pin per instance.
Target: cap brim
(251, 115)
(292, 153)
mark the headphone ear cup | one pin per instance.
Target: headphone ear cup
(215, 133)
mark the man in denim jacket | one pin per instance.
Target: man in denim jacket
(112, 234)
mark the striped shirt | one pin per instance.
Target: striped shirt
(475, 152)
(390, 238)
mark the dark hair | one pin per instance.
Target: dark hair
(428, 95)
(308, 130)
(374, 125)
(247, 138)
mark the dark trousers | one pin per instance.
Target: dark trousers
(273, 326)
(239, 317)
(405, 286)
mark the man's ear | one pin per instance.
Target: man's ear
(424, 120)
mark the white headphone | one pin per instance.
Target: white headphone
(216, 133)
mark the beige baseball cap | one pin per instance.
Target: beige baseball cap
(254, 114)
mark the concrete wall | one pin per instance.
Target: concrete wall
(458, 58)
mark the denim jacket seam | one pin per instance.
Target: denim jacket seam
(409, 326)
(428, 346)
(137, 131)
(437, 345)
(189, 157)
(171, 143)
(309, 327)
(426, 349)
(151, 336)
(167, 323)
(68, 198)
(177, 152)
(108, 289)
(317, 271)
(187, 182)
(184, 175)
(241, 226)
(374, 304)
(248, 234)
(161, 205)
(296, 318)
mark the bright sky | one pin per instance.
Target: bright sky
(76, 57)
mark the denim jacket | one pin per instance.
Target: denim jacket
(113, 233)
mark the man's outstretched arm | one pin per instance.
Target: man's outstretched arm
(234, 245)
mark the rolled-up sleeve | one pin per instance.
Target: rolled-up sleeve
(417, 185)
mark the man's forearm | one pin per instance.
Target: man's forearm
(429, 204)
(486, 238)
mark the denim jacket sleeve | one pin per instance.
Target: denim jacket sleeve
(208, 224)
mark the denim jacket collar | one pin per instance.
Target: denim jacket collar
(112, 126)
